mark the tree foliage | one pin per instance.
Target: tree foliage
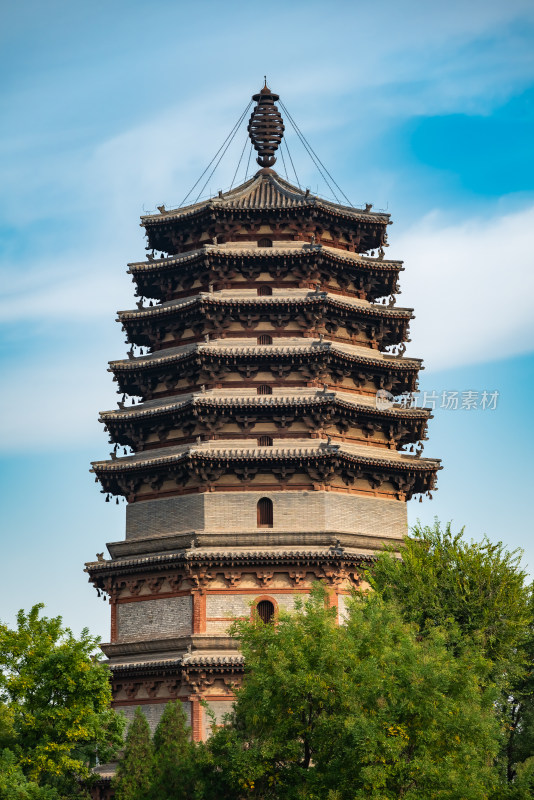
(56, 714)
(14, 785)
(174, 774)
(369, 709)
(133, 778)
(478, 585)
(481, 589)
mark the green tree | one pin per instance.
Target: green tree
(480, 588)
(366, 710)
(56, 697)
(133, 778)
(175, 773)
(14, 785)
(479, 585)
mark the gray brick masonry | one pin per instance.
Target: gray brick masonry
(342, 607)
(168, 515)
(152, 712)
(152, 618)
(239, 605)
(293, 511)
(220, 708)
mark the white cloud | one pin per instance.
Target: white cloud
(471, 285)
(58, 407)
(76, 290)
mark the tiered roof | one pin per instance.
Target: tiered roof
(215, 311)
(266, 198)
(162, 278)
(207, 411)
(206, 363)
(319, 359)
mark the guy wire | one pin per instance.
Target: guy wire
(239, 162)
(304, 140)
(238, 123)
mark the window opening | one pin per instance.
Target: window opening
(265, 611)
(265, 513)
(265, 242)
(264, 389)
(265, 291)
(265, 441)
(265, 339)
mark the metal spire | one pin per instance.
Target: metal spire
(266, 127)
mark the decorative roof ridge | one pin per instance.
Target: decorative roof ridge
(171, 213)
(321, 449)
(311, 345)
(309, 298)
(300, 197)
(188, 660)
(305, 250)
(211, 399)
(271, 177)
(202, 553)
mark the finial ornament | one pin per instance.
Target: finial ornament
(266, 127)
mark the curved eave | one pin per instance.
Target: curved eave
(308, 301)
(254, 403)
(170, 235)
(131, 427)
(269, 253)
(189, 560)
(261, 353)
(125, 476)
(265, 192)
(159, 278)
(216, 664)
(214, 208)
(150, 460)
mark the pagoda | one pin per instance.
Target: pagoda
(255, 456)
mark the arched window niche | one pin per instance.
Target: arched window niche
(266, 609)
(265, 512)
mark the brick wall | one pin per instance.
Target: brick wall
(152, 618)
(152, 712)
(168, 515)
(342, 607)
(219, 708)
(239, 605)
(293, 511)
(365, 515)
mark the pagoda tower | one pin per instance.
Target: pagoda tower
(261, 459)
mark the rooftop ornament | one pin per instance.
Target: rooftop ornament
(266, 127)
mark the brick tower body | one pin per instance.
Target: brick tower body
(261, 460)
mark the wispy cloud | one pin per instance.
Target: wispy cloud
(471, 285)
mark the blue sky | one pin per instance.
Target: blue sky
(110, 109)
